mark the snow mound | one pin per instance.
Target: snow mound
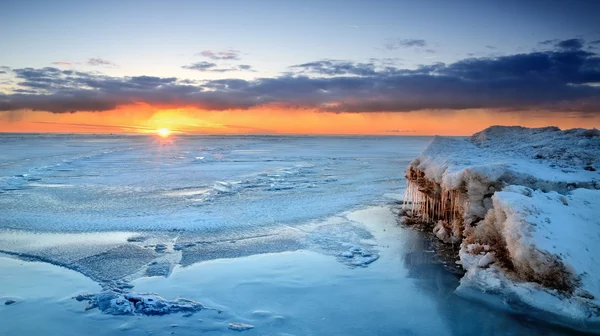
(525, 205)
(118, 303)
(545, 158)
(550, 242)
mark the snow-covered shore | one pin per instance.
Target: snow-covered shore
(524, 203)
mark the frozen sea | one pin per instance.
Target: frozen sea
(275, 235)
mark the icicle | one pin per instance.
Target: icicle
(406, 195)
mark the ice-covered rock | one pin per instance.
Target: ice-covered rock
(119, 303)
(525, 205)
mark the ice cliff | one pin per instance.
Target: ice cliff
(524, 204)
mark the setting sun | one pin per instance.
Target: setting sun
(164, 132)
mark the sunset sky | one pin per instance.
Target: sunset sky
(298, 67)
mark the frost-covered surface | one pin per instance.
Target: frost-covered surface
(526, 205)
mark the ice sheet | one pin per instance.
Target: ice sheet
(103, 183)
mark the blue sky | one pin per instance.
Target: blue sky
(158, 37)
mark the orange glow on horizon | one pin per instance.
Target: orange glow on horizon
(143, 118)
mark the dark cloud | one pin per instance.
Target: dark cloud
(70, 91)
(151, 81)
(571, 44)
(562, 66)
(405, 43)
(229, 55)
(24, 91)
(564, 79)
(100, 62)
(549, 42)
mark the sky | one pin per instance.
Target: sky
(448, 67)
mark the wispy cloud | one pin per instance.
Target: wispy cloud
(212, 67)
(100, 62)
(228, 55)
(336, 68)
(62, 63)
(200, 66)
(394, 44)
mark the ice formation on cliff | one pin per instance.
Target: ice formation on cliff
(525, 205)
